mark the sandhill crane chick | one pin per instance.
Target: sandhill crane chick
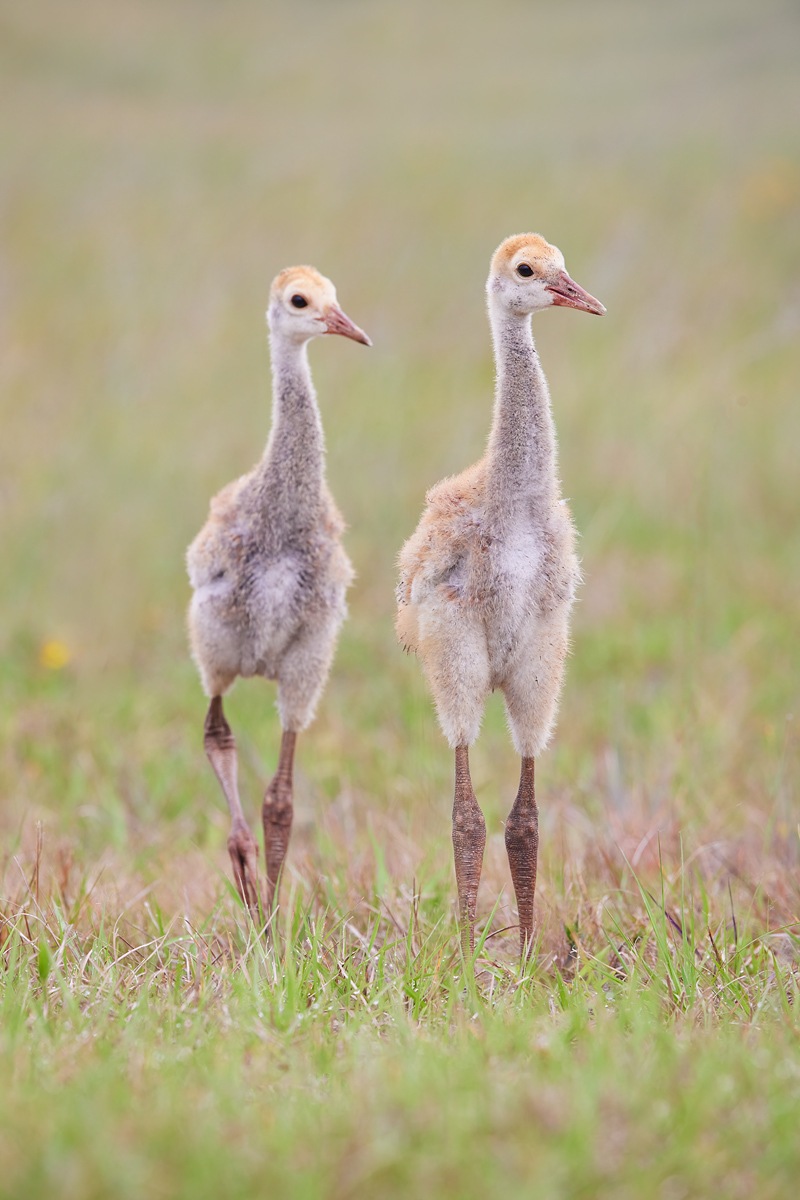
(270, 574)
(487, 580)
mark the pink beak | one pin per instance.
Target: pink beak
(338, 322)
(567, 293)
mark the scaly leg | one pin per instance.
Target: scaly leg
(469, 840)
(277, 813)
(522, 846)
(220, 746)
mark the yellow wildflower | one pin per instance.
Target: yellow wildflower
(54, 655)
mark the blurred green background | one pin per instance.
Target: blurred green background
(160, 163)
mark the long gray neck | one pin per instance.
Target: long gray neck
(292, 472)
(522, 444)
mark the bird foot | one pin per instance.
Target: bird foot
(243, 850)
(522, 846)
(277, 814)
(469, 840)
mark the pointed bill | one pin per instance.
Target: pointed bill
(567, 293)
(338, 322)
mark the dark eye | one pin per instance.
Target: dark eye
(525, 270)
(299, 301)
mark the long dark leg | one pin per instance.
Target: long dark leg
(522, 845)
(469, 839)
(220, 746)
(277, 814)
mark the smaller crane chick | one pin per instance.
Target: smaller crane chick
(269, 574)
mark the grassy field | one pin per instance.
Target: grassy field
(159, 164)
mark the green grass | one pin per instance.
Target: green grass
(184, 1061)
(160, 164)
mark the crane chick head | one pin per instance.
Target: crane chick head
(528, 274)
(302, 305)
